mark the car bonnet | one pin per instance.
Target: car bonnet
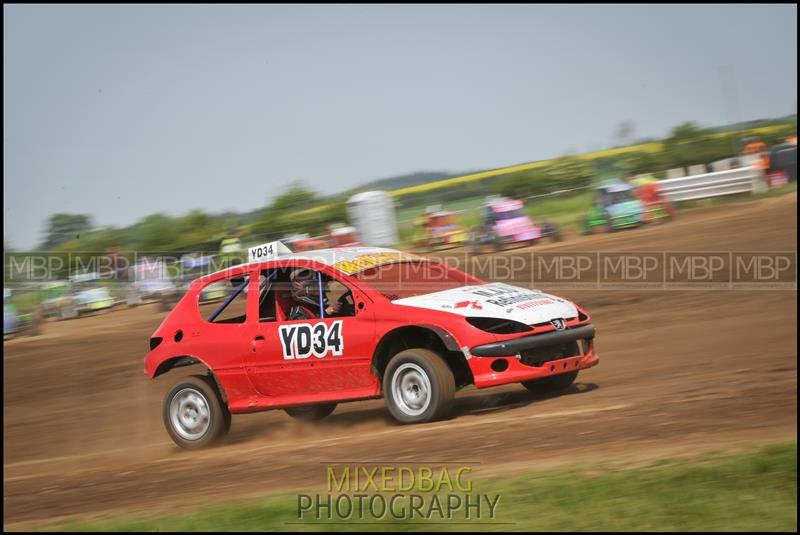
(496, 300)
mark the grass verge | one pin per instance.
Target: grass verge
(749, 491)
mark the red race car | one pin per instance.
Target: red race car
(305, 331)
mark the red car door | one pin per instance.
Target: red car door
(308, 360)
(223, 333)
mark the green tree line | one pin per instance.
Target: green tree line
(687, 144)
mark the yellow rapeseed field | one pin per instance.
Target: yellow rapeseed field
(645, 147)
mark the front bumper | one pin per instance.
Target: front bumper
(533, 357)
(456, 237)
(97, 305)
(524, 236)
(625, 221)
(516, 345)
(655, 212)
(447, 238)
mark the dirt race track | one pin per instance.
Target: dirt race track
(681, 371)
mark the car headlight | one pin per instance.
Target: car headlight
(498, 325)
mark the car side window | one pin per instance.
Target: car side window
(340, 299)
(302, 293)
(232, 308)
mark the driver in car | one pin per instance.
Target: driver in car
(305, 296)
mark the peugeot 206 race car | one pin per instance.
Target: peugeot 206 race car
(305, 331)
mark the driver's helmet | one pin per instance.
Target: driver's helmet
(305, 287)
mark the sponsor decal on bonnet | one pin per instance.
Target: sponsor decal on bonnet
(498, 300)
(504, 296)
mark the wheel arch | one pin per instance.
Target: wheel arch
(425, 336)
(180, 361)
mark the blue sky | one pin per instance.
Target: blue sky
(123, 111)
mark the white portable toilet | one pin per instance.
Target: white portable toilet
(372, 214)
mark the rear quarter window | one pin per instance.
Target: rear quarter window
(224, 301)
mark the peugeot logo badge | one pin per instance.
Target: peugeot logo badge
(558, 324)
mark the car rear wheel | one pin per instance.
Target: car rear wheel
(194, 414)
(555, 232)
(311, 413)
(35, 328)
(68, 312)
(475, 241)
(164, 302)
(418, 386)
(498, 243)
(554, 383)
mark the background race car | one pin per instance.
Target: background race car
(305, 242)
(615, 207)
(15, 322)
(439, 229)
(194, 266)
(504, 223)
(657, 208)
(57, 300)
(93, 300)
(342, 236)
(149, 281)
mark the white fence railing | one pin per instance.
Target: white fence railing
(742, 180)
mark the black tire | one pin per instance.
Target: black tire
(586, 228)
(216, 413)
(423, 370)
(311, 413)
(498, 244)
(554, 383)
(132, 300)
(227, 423)
(35, 328)
(474, 241)
(555, 232)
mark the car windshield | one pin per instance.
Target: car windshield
(617, 197)
(408, 279)
(511, 214)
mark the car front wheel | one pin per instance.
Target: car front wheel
(194, 414)
(418, 386)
